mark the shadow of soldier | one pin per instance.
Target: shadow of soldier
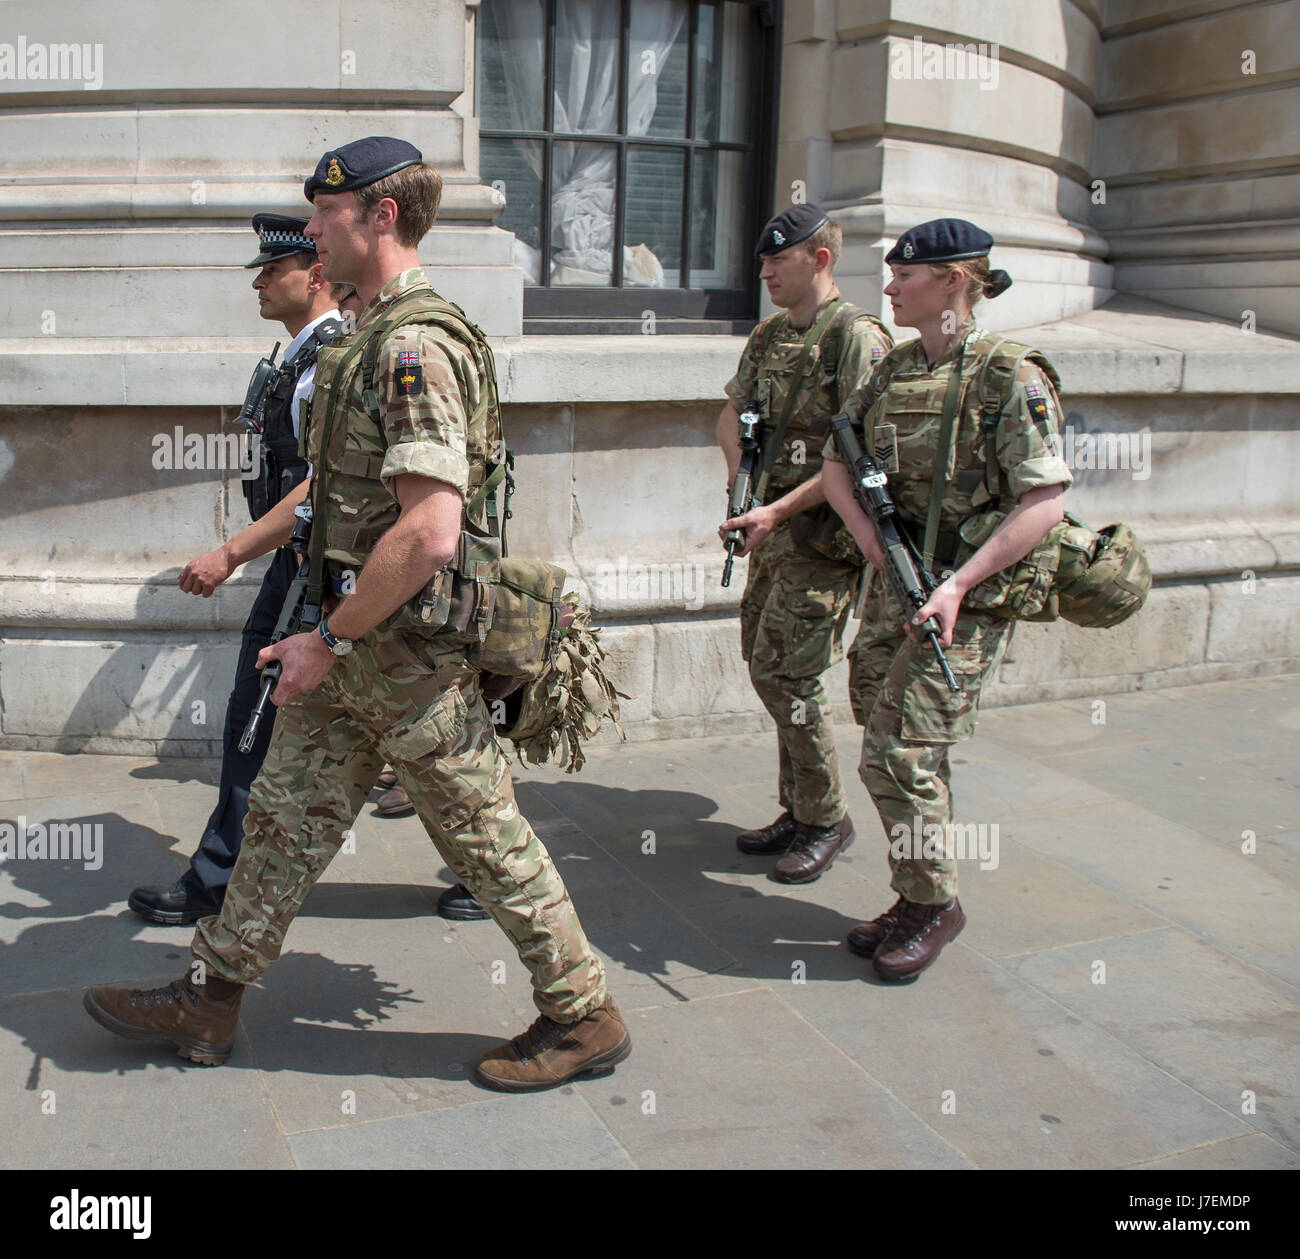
(663, 892)
(65, 930)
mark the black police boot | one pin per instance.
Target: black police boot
(457, 904)
(174, 906)
(774, 837)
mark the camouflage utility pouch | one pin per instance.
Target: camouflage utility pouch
(819, 533)
(459, 602)
(1025, 590)
(1108, 582)
(558, 711)
(1091, 579)
(525, 624)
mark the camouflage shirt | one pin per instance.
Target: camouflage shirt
(900, 428)
(427, 383)
(766, 372)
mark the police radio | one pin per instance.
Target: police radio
(264, 374)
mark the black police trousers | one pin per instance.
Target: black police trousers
(211, 865)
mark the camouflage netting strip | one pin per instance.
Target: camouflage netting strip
(568, 703)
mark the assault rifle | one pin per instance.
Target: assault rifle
(908, 577)
(742, 488)
(296, 617)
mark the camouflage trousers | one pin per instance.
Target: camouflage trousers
(911, 721)
(792, 621)
(393, 699)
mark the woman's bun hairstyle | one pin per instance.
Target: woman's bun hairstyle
(998, 282)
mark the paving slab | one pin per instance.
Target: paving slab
(1222, 1027)
(119, 1103)
(1208, 886)
(733, 1110)
(539, 1133)
(1253, 1153)
(1027, 1084)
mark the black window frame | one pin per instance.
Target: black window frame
(596, 309)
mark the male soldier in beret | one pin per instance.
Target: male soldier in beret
(403, 423)
(799, 366)
(290, 291)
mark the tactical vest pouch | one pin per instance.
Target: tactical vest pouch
(819, 533)
(460, 599)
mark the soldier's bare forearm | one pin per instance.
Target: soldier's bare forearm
(802, 498)
(1035, 513)
(838, 488)
(729, 439)
(421, 542)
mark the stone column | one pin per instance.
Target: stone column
(1196, 141)
(898, 111)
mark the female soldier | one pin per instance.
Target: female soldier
(965, 424)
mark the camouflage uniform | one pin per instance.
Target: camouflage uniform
(911, 719)
(400, 696)
(796, 604)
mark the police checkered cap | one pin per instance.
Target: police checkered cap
(280, 235)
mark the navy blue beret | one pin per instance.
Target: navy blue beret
(941, 240)
(795, 224)
(278, 236)
(360, 163)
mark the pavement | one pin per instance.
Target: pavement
(1126, 992)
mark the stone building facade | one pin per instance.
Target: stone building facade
(1138, 162)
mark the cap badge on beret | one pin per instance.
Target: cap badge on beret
(335, 173)
(777, 238)
(908, 251)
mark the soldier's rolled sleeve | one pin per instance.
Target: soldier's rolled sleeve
(427, 388)
(1029, 435)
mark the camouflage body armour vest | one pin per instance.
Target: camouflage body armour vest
(901, 431)
(816, 390)
(356, 509)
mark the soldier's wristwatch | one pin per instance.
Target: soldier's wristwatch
(339, 646)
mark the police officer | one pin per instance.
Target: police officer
(403, 422)
(290, 291)
(973, 513)
(799, 365)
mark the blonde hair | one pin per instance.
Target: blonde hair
(980, 281)
(417, 190)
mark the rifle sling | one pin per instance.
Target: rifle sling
(946, 425)
(773, 443)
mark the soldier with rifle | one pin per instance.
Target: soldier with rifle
(963, 476)
(797, 369)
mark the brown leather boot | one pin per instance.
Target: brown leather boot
(813, 850)
(867, 937)
(775, 837)
(387, 780)
(394, 803)
(199, 1019)
(917, 939)
(550, 1053)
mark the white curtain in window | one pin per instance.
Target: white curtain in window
(586, 100)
